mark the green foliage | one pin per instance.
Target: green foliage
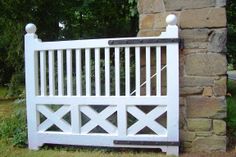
(231, 16)
(231, 107)
(81, 19)
(13, 128)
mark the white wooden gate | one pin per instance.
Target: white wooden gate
(120, 92)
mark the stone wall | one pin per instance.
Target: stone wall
(203, 67)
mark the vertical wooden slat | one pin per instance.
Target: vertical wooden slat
(97, 73)
(69, 71)
(75, 118)
(148, 71)
(36, 72)
(60, 72)
(122, 120)
(51, 73)
(87, 72)
(117, 71)
(127, 71)
(43, 82)
(78, 73)
(172, 59)
(158, 71)
(137, 70)
(107, 71)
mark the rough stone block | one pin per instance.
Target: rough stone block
(190, 90)
(171, 5)
(203, 18)
(207, 91)
(219, 127)
(210, 64)
(188, 51)
(194, 35)
(193, 81)
(209, 144)
(206, 107)
(220, 87)
(150, 6)
(146, 21)
(220, 3)
(187, 135)
(149, 33)
(217, 40)
(204, 133)
(199, 124)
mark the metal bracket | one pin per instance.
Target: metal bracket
(143, 41)
(147, 143)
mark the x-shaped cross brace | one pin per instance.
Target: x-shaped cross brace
(146, 120)
(98, 119)
(54, 118)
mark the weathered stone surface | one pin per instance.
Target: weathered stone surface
(188, 51)
(195, 45)
(146, 21)
(219, 127)
(220, 3)
(220, 87)
(194, 35)
(200, 18)
(149, 33)
(207, 91)
(193, 81)
(217, 41)
(204, 133)
(150, 6)
(190, 90)
(199, 124)
(187, 135)
(209, 64)
(206, 107)
(171, 5)
(209, 144)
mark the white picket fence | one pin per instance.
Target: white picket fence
(120, 92)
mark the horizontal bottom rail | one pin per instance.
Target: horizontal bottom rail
(147, 143)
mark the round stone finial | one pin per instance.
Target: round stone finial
(30, 28)
(171, 19)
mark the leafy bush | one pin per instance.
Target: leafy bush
(13, 128)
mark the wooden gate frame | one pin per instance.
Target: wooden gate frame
(40, 92)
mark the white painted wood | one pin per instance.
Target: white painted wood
(43, 82)
(31, 87)
(36, 73)
(137, 70)
(148, 71)
(69, 71)
(87, 72)
(146, 120)
(54, 118)
(107, 71)
(117, 71)
(158, 71)
(60, 72)
(75, 118)
(144, 100)
(127, 71)
(78, 73)
(173, 91)
(51, 73)
(98, 119)
(74, 133)
(97, 73)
